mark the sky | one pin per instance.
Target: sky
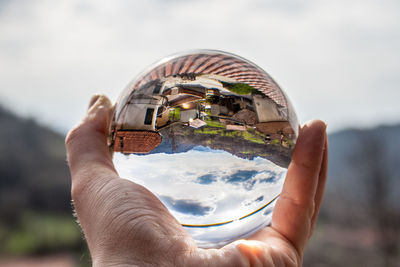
(206, 183)
(336, 60)
(206, 186)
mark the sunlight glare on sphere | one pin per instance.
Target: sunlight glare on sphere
(211, 135)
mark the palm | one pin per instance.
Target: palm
(128, 206)
(125, 224)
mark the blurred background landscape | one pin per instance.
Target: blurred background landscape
(359, 224)
(338, 61)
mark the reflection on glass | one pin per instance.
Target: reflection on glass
(211, 134)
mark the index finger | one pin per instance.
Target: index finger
(294, 210)
(87, 150)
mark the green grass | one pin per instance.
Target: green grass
(255, 140)
(275, 142)
(207, 131)
(175, 114)
(231, 133)
(216, 124)
(290, 142)
(240, 88)
(252, 137)
(40, 232)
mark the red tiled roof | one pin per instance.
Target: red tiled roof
(133, 141)
(218, 64)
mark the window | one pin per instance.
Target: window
(148, 119)
(157, 88)
(160, 111)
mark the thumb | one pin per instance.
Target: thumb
(86, 143)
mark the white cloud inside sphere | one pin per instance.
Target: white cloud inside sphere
(212, 184)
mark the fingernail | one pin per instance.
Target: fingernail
(93, 100)
(311, 122)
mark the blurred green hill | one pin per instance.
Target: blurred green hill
(35, 204)
(359, 223)
(33, 170)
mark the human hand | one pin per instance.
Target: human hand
(125, 224)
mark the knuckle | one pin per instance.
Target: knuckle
(73, 134)
(306, 205)
(77, 189)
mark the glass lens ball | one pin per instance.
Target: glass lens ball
(211, 135)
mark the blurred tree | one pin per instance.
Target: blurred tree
(385, 215)
(359, 222)
(35, 211)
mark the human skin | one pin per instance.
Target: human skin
(126, 225)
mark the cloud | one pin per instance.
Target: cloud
(209, 183)
(245, 178)
(54, 56)
(241, 176)
(268, 180)
(186, 206)
(206, 179)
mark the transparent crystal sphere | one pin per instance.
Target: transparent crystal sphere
(211, 135)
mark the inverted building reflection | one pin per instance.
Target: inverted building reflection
(201, 109)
